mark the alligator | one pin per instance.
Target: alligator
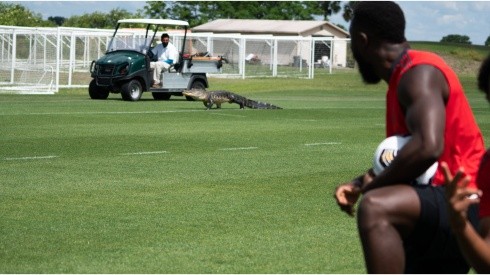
(217, 97)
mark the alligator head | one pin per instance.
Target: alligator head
(195, 93)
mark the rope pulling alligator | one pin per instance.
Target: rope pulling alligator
(217, 97)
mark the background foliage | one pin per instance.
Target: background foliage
(197, 13)
(456, 38)
(18, 15)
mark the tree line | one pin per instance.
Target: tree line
(196, 13)
(461, 39)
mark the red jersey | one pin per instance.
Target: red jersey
(483, 182)
(463, 141)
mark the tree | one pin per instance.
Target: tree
(349, 10)
(18, 15)
(155, 9)
(456, 38)
(324, 8)
(98, 20)
(200, 12)
(117, 14)
(487, 42)
(58, 20)
(187, 11)
(284, 10)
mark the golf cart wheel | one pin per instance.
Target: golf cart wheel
(97, 92)
(132, 90)
(199, 85)
(161, 96)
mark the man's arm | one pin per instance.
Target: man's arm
(480, 254)
(475, 247)
(155, 51)
(422, 93)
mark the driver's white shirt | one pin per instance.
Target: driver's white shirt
(164, 54)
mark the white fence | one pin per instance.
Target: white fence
(41, 60)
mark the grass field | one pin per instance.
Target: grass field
(167, 187)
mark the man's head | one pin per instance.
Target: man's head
(374, 23)
(165, 39)
(484, 77)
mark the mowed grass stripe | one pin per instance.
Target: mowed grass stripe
(195, 209)
(214, 112)
(323, 143)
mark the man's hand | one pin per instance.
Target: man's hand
(346, 196)
(459, 196)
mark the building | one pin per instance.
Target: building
(281, 28)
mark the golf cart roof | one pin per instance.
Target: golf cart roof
(155, 21)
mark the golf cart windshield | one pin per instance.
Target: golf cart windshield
(137, 34)
(130, 41)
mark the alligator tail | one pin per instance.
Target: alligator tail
(259, 105)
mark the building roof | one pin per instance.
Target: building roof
(276, 27)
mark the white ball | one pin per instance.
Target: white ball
(387, 151)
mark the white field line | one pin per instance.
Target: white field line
(218, 114)
(102, 113)
(31, 158)
(323, 143)
(341, 108)
(164, 152)
(238, 148)
(144, 153)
